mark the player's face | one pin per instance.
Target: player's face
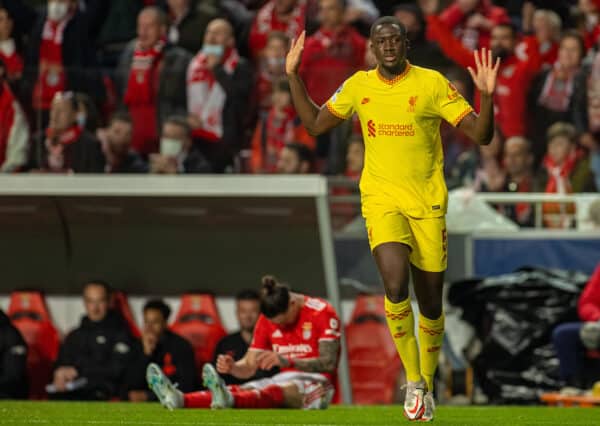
(247, 314)
(389, 46)
(154, 322)
(289, 317)
(95, 300)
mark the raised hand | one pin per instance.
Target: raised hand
(486, 73)
(292, 61)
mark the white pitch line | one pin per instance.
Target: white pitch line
(125, 422)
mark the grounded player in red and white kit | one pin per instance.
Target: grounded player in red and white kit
(297, 333)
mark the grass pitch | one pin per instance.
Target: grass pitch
(80, 413)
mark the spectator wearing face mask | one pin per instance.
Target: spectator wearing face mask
(271, 68)
(178, 155)
(60, 58)
(116, 146)
(219, 84)
(14, 130)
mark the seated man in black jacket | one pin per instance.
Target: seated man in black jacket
(92, 360)
(13, 361)
(160, 345)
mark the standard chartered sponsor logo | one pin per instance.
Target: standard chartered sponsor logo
(395, 129)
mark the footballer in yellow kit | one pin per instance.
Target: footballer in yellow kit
(402, 186)
(403, 193)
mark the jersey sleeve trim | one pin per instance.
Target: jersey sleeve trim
(460, 118)
(331, 109)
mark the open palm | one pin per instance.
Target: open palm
(486, 72)
(292, 61)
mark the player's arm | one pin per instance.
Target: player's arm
(480, 128)
(244, 368)
(326, 362)
(316, 120)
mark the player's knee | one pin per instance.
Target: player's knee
(396, 291)
(292, 398)
(431, 309)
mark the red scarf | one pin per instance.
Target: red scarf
(141, 96)
(141, 86)
(7, 118)
(58, 156)
(52, 76)
(278, 132)
(206, 97)
(558, 175)
(556, 93)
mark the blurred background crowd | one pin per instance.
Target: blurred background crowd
(198, 86)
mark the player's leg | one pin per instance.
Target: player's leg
(428, 263)
(392, 262)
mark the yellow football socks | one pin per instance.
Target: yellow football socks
(431, 335)
(401, 322)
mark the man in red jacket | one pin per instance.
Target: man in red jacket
(332, 54)
(567, 338)
(514, 76)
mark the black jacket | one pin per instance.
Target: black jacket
(13, 361)
(78, 57)
(100, 352)
(82, 156)
(132, 163)
(173, 354)
(193, 25)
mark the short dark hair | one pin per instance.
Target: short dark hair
(159, 305)
(121, 116)
(247, 294)
(100, 283)
(510, 26)
(577, 36)
(274, 297)
(182, 122)
(303, 152)
(387, 20)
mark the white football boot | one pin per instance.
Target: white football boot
(166, 392)
(221, 396)
(414, 404)
(429, 408)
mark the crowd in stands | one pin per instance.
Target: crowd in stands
(198, 86)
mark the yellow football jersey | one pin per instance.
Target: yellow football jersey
(400, 121)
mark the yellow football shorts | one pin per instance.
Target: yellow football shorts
(426, 238)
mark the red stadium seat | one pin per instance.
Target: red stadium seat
(120, 303)
(374, 362)
(29, 313)
(198, 321)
